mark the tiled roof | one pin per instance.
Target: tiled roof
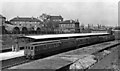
(55, 17)
(26, 19)
(7, 22)
(2, 16)
(68, 22)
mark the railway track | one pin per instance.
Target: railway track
(99, 54)
(14, 61)
(107, 61)
(20, 60)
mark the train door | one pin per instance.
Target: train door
(32, 51)
(25, 50)
(28, 51)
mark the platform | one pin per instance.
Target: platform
(82, 55)
(9, 55)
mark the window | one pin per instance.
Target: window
(45, 46)
(15, 22)
(31, 48)
(28, 47)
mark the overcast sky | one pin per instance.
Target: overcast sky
(88, 12)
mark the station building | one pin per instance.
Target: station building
(26, 24)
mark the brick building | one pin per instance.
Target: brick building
(51, 23)
(44, 17)
(55, 18)
(26, 23)
(2, 20)
(69, 26)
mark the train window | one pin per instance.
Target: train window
(45, 46)
(36, 47)
(28, 47)
(56, 45)
(31, 48)
(81, 40)
(41, 47)
(53, 45)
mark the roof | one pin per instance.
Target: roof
(62, 35)
(2, 17)
(28, 19)
(68, 22)
(7, 22)
(55, 17)
(117, 28)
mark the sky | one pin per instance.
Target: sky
(104, 12)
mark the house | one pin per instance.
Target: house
(44, 17)
(68, 26)
(25, 21)
(28, 23)
(2, 20)
(55, 18)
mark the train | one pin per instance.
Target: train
(44, 44)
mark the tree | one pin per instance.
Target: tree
(49, 25)
(44, 17)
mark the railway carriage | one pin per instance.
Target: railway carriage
(68, 43)
(92, 39)
(102, 38)
(39, 48)
(63, 41)
(110, 37)
(82, 41)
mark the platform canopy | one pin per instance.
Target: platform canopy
(63, 35)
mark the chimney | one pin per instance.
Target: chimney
(32, 17)
(17, 16)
